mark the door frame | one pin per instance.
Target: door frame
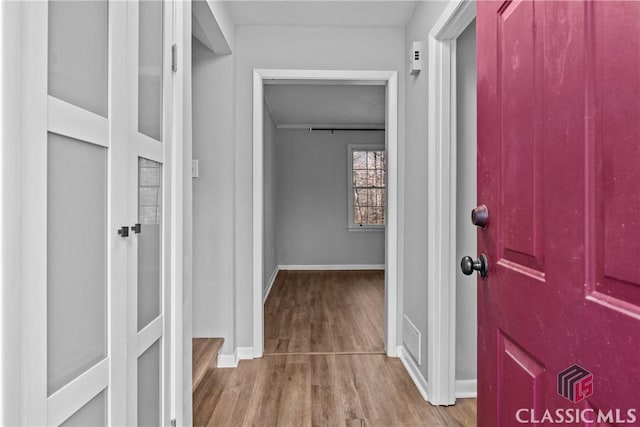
(441, 190)
(386, 78)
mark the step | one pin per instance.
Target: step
(204, 357)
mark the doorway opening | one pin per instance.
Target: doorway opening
(262, 278)
(324, 218)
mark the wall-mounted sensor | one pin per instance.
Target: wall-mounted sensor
(195, 168)
(416, 58)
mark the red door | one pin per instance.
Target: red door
(559, 170)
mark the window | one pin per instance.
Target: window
(368, 192)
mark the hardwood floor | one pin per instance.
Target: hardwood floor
(325, 311)
(323, 366)
(204, 356)
(320, 390)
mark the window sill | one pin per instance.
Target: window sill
(366, 228)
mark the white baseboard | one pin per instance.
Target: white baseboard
(244, 353)
(227, 360)
(466, 388)
(334, 267)
(414, 372)
(231, 360)
(272, 280)
(393, 351)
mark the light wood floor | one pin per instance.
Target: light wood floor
(320, 316)
(320, 390)
(325, 311)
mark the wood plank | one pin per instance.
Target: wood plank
(325, 311)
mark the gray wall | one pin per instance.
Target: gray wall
(270, 208)
(295, 48)
(415, 225)
(213, 197)
(466, 200)
(223, 143)
(312, 206)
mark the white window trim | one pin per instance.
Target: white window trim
(351, 226)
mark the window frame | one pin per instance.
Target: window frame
(351, 225)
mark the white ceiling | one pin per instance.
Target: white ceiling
(323, 13)
(294, 105)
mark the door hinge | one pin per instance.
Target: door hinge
(173, 422)
(174, 58)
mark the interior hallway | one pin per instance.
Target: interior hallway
(324, 363)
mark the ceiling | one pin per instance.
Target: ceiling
(323, 13)
(298, 105)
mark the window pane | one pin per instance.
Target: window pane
(373, 159)
(360, 197)
(76, 258)
(150, 68)
(376, 197)
(94, 413)
(380, 160)
(357, 216)
(371, 178)
(149, 173)
(78, 39)
(378, 178)
(359, 160)
(149, 386)
(375, 216)
(149, 241)
(360, 215)
(360, 178)
(149, 196)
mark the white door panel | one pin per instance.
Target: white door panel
(97, 302)
(78, 208)
(149, 47)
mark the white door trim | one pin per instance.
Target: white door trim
(390, 80)
(33, 209)
(441, 166)
(12, 59)
(181, 118)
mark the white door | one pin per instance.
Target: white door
(149, 82)
(95, 319)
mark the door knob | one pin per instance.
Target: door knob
(480, 216)
(136, 228)
(468, 265)
(123, 231)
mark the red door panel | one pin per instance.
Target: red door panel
(615, 165)
(517, 370)
(520, 146)
(559, 170)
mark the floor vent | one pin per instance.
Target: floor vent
(411, 339)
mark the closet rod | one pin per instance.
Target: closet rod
(347, 129)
